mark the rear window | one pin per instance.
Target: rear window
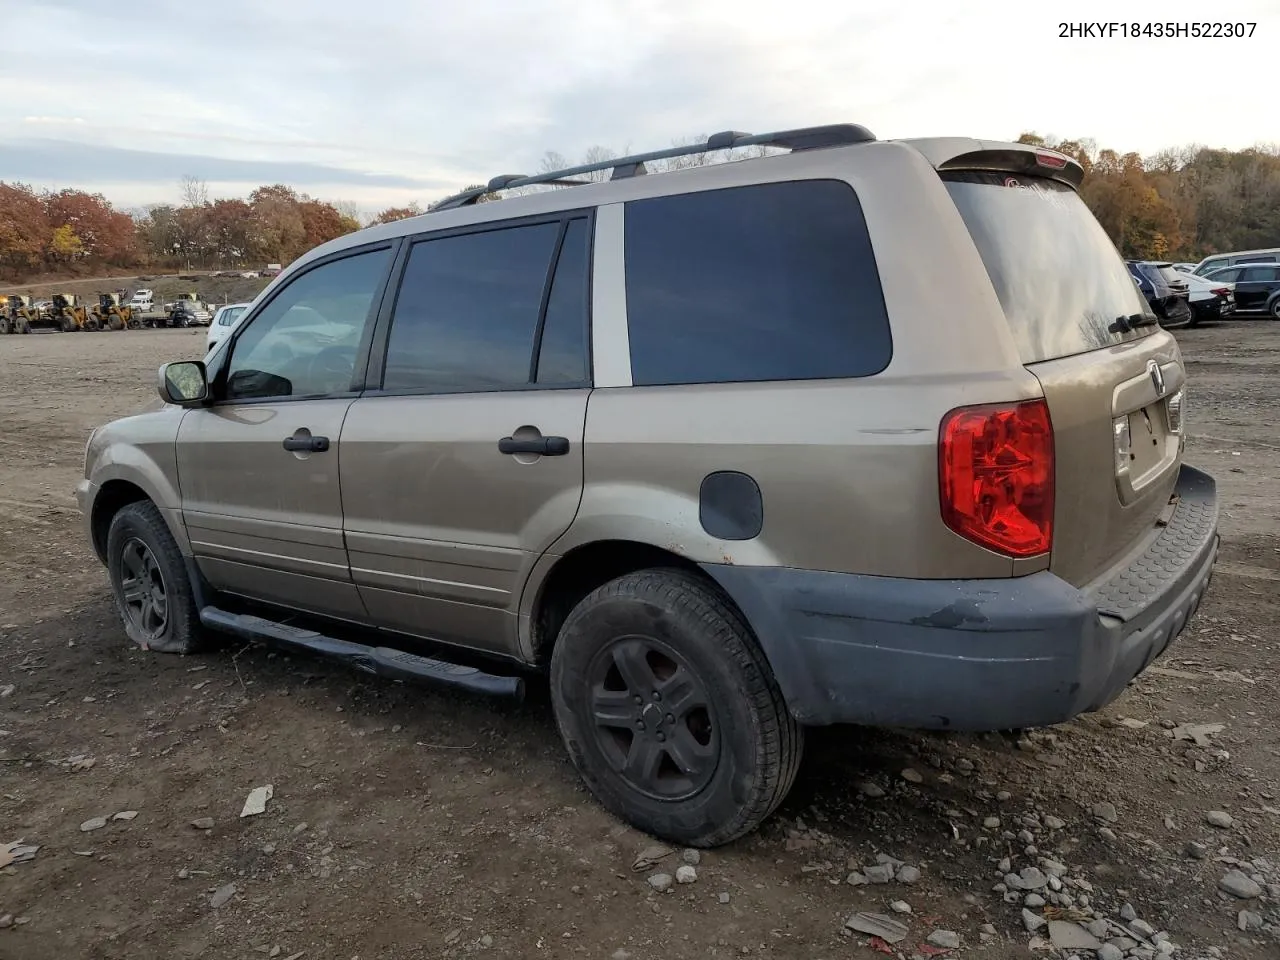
(1062, 284)
(774, 281)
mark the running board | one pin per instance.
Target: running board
(381, 661)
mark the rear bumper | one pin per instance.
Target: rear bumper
(977, 654)
(1212, 309)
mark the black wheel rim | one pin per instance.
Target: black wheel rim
(652, 718)
(146, 601)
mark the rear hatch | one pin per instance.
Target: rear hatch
(1112, 378)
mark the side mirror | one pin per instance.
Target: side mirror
(184, 383)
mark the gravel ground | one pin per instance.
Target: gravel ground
(408, 823)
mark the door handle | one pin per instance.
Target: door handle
(544, 446)
(302, 442)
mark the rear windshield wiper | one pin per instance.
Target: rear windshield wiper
(1132, 322)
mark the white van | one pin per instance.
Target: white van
(1219, 260)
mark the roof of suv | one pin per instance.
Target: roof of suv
(629, 183)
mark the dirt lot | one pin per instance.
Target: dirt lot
(407, 823)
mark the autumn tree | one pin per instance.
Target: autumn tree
(230, 226)
(24, 231)
(392, 214)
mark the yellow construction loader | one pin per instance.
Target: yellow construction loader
(67, 314)
(18, 315)
(110, 314)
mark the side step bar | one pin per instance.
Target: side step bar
(381, 661)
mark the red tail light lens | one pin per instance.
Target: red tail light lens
(1051, 160)
(995, 473)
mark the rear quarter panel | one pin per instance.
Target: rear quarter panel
(847, 468)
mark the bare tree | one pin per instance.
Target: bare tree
(195, 192)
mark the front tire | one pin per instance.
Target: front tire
(669, 709)
(1275, 309)
(149, 582)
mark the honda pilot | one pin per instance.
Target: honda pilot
(855, 432)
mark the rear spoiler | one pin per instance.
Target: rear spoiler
(962, 153)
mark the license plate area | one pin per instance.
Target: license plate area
(1146, 450)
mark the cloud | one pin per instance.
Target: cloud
(69, 162)
(404, 95)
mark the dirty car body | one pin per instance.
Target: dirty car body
(706, 436)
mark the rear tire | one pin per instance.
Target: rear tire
(724, 757)
(149, 582)
(1274, 309)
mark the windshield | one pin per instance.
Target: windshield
(1062, 284)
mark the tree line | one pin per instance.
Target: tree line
(1180, 204)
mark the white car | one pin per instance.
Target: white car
(1210, 299)
(224, 321)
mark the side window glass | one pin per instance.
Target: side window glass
(1254, 274)
(304, 343)
(769, 282)
(562, 355)
(467, 312)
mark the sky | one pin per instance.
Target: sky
(386, 102)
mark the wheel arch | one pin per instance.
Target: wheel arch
(113, 496)
(558, 583)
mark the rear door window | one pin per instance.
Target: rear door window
(1064, 288)
(768, 282)
(473, 309)
(1259, 274)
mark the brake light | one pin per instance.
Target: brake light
(995, 474)
(1221, 291)
(1051, 160)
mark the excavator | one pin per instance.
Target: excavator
(17, 315)
(109, 314)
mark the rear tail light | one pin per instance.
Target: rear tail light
(1221, 291)
(995, 473)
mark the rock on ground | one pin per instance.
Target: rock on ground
(660, 882)
(947, 939)
(1239, 885)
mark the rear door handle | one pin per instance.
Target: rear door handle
(544, 446)
(304, 442)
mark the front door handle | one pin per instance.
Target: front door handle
(303, 442)
(544, 446)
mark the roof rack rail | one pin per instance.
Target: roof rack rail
(805, 138)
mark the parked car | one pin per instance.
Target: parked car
(188, 313)
(1166, 290)
(249, 275)
(1257, 287)
(700, 446)
(223, 323)
(1209, 300)
(271, 270)
(1219, 260)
